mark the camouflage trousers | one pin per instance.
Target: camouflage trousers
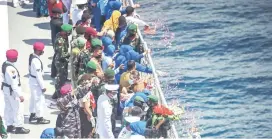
(62, 75)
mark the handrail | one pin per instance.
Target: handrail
(156, 78)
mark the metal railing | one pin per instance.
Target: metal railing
(157, 89)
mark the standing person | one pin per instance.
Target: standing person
(77, 13)
(132, 38)
(78, 33)
(99, 12)
(16, 3)
(62, 56)
(97, 56)
(36, 83)
(56, 4)
(85, 20)
(104, 112)
(90, 34)
(68, 120)
(13, 95)
(120, 32)
(80, 60)
(66, 15)
(113, 22)
(132, 19)
(41, 8)
(87, 105)
(111, 6)
(55, 24)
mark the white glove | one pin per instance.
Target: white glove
(92, 120)
(161, 73)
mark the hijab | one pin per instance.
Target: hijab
(113, 22)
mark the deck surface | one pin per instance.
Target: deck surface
(24, 30)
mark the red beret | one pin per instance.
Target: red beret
(65, 89)
(11, 54)
(91, 31)
(38, 46)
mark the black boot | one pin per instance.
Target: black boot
(41, 120)
(21, 130)
(11, 129)
(55, 96)
(32, 118)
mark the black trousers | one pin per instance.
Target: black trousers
(86, 126)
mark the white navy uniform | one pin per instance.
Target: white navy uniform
(36, 83)
(13, 114)
(104, 112)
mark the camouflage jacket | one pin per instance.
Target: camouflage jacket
(82, 60)
(135, 43)
(61, 49)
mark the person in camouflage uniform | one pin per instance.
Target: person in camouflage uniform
(90, 69)
(62, 56)
(133, 39)
(78, 33)
(3, 131)
(79, 57)
(68, 120)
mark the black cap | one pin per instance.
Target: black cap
(136, 111)
(129, 10)
(122, 21)
(56, 10)
(85, 17)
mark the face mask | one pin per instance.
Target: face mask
(112, 95)
(98, 57)
(131, 35)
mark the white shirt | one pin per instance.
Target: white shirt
(139, 22)
(76, 15)
(36, 70)
(104, 111)
(11, 77)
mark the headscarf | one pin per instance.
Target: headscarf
(48, 133)
(113, 22)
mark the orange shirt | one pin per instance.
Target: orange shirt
(99, 70)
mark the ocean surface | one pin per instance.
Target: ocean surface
(218, 55)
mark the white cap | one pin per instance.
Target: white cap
(111, 87)
(81, 2)
(132, 119)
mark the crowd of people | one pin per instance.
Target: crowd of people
(101, 43)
